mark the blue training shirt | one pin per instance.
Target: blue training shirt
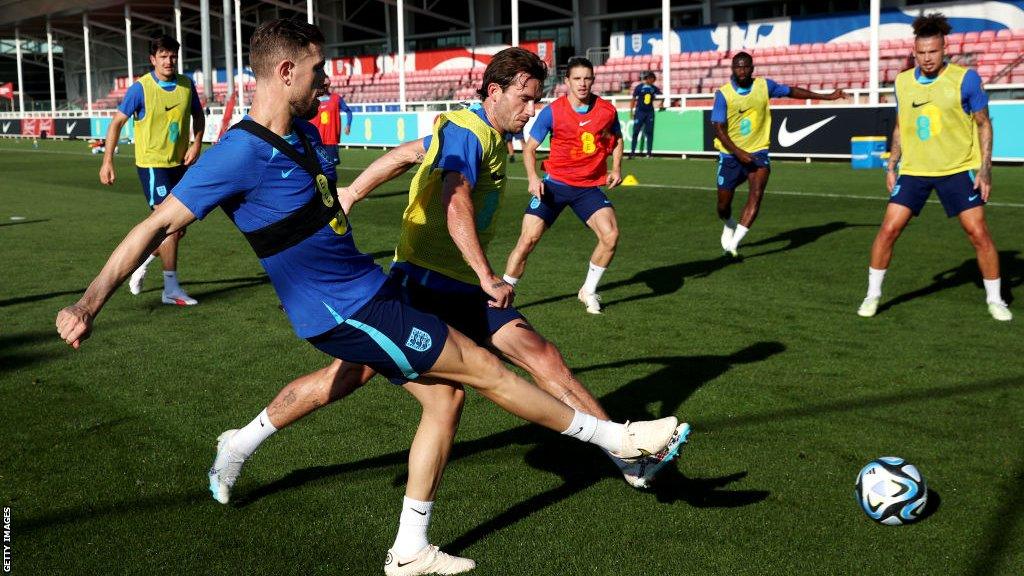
(134, 102)
(639, 92)
(972, 94)
(719, 112)
(461, 150)
(321, 281)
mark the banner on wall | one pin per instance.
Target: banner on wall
(10, 127)
(385, 128)
(818, 129)
(36, 126)
(674, 130)
(72, 127)
(855, 27)
(427, 60)
(98, 128)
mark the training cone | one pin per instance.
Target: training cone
(630, 180)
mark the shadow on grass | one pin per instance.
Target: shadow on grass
(666, 280)
(40, 297)
(20, 349)
(1004, 527)
(1011, 268)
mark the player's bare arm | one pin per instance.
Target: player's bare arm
(198, 128)
(983, 181)
(107, 173)
(458, 205)
(535, 186)
(804, 94)
(74, 323)
(722, 133)
(894, 158)
(384, 169)
(615, 176)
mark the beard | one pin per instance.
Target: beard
(745, 83)
(305, 110)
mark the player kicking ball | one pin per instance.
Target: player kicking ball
(584, 132)
(275, 181)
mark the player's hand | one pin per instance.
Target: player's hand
(74, 324)
(614, 179)
(501, 292)
(107, 174)
(890, 180)
(983, 183)
(536, 187)
(347, 130)
(837, 94)
(346, 198)
(192, 154)
(744, 157)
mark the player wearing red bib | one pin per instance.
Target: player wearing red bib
(584, 132)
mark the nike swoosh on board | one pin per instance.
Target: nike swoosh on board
(787, 138)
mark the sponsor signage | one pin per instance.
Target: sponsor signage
(10, 127)
(383, 129)
(818, 130)
(72, 127)
(36, 126)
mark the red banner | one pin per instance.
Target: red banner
(7, 90)
(36, 126)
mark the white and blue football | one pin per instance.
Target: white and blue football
(891, 491)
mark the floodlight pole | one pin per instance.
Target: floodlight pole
(21, 89)
(309, 11)
(238, 56)
(666, 44)
(873, 52)
(515, 22)
(401, 55)
(88, 62)
(228, 48)
(128, 41)
(177, 36)
(204, 29)
(49, 64)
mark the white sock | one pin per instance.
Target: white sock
(248, 439)
(993, 291)
(594, 273)
(171, 282)
(738, 235)
(607, 435)
(412, 527)
(149, 259)
(875, 277)
(510, 280)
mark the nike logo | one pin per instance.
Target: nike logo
(742, 112)
(6, 126)
(287, 173)
(424, 513)
(261, 422)
(400, 564)
(70, 127)
(584, 123)
(787, 138)
(972, 198)
(166, 108)
(578, 431)
(919, 104)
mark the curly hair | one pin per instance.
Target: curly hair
(930, 25)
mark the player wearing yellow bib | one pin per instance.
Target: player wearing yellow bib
(943, 134)
(743, 125)
(165, 107)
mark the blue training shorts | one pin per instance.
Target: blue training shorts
(556, 196)
(956, 192)
(731, 173)
(396, 340)
(158, 182)
(460, 305)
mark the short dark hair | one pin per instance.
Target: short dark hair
(930, 25)
(578, 62)
(649, 74)
(742, 56)
(509, 63)
(163, 42)
(278, 39)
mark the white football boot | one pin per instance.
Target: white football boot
(646, 438)
(136, 280)
(178, 298)
(225, 470)
(726, 238)
(1000, 311)
(429, 560)
(592, 300)
(640, 474)
(868, 307)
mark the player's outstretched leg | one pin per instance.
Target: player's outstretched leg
(896, 218)
(299, 398)
(758, 180)
(724, 209)
(173, 292)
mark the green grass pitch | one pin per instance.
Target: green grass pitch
(104, 450)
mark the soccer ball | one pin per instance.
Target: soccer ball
(891, 491)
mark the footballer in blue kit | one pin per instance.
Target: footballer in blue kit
(642, 111)
(334, 295)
